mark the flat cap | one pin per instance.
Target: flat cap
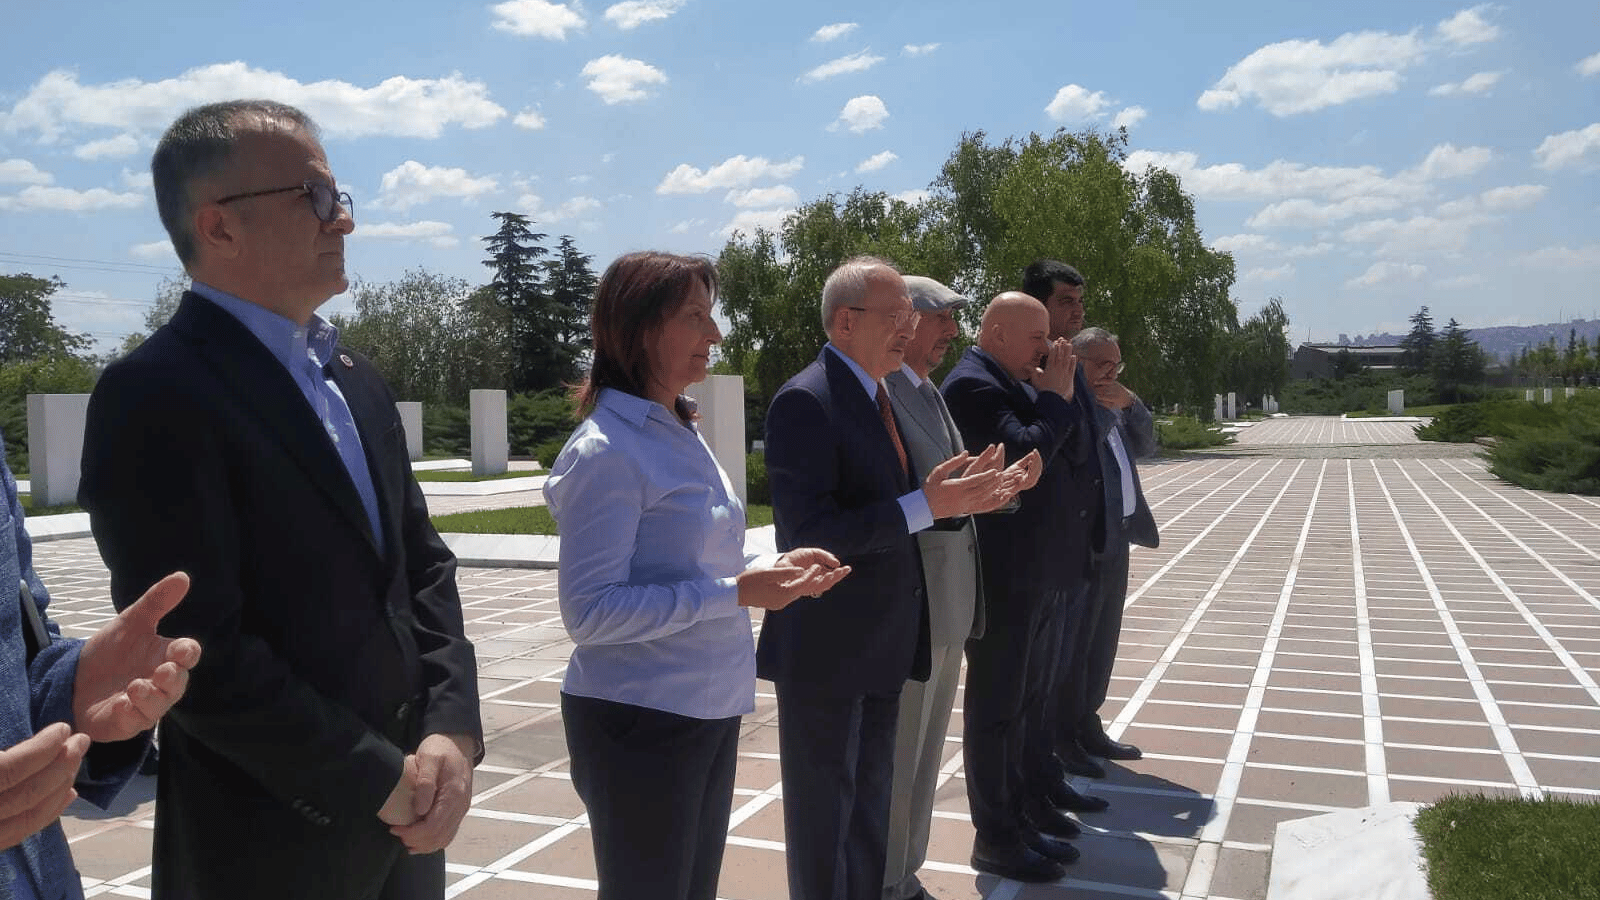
(928, 295)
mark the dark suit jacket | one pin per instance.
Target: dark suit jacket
(324, 662)
(836, 483)
(1022, 551)
(1136, 428)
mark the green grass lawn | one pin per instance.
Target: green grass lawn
(537, 520)
(468, 476)
(27, 504)
(1433, 410)
(1482, 848)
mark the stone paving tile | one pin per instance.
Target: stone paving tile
(1200, 617)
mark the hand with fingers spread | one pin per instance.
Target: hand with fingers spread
(128, 674)
(983, 487)
(441, 792)
(1030, 467)
(1056, 375)
(36, 779)
(804, 572)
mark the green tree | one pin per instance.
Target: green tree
(433, 337)
(1260, 352)
(1417, 357)
(28, 328)
(169, 293)
(1345, 364)
(540, 359)
(61, 373)
(570, 282)
(1457, 364)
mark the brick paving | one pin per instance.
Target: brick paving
(1317, 631)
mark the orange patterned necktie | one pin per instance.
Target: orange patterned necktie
(887, 414)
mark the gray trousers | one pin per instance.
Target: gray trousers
(919, 751)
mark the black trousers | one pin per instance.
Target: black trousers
(1087, 676)
(415, 878)
(659, 788)
(837, 757)
(1008, 734)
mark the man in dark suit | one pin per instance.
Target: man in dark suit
(1029, 586)
(949, 553)
(841, 480)
(1127, 433)
(326, 744)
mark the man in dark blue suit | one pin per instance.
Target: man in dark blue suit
(840, 480)
(1030, 586)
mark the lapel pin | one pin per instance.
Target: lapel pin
(348, 362)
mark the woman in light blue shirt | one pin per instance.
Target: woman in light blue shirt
(654, 587)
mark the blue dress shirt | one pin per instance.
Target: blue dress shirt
(304, 350)
(652, 541)
(919, 515)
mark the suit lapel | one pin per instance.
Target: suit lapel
(847, 389)
(258, 381)
(374, 417)
(917, 413)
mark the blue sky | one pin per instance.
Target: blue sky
(1359, 159)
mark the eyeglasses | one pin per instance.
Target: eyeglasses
(905, 318)
(325, 201)
(1114, 368)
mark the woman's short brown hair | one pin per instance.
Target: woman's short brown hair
(636, 294)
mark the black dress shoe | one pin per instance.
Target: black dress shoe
(1076, 761)
(1105, 748)
(1052, 822)
(1063, 796)
(1016, 861)
(1051, 848)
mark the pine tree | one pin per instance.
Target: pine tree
(1418, 354)
(538, 361)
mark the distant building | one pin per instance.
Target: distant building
(1316, 360)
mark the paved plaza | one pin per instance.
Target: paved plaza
(1351, 619)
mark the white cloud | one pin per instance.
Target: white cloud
(1234, 243)
(876, 161)
(1563, 257)
(1450, 161)
(575, 208)
(1459, 282)
(20, 171)
(1076, 102)
(733, 172)
(924, 49)
(156, 250)
(529, 119)
(1473, 84)
(1589, 65)
(1520, 196)
(844, 65)
(60, 199)
(1468, 27)
(912, 197)
(1129, 117)
(537, 18)
(398, 106)
(1302, 213)
(1418, 234)
(749, 220)
(686, 226)
(139, 180)
(1292, 77)
(630, 14)
(439, 234)
(108, 148)
(618, 79)
(833, 32)
(1321, 248)
(1277, 273)
(761, 198)
(861, 114)
(1579, 148)
(411, 183)
(1388, 273)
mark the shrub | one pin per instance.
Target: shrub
(756, 490)
(49, 375)
(536, 420)
(1489, 418)
(547, 452)
(1188, 433)
(446, 429)
(1561, 456)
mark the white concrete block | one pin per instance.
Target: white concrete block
(411, 419)
(1549, 395)
(1370, 853)
(1233, 405)
(721, 400)
(1219, 406)
(1571, 391)
(1529, 393)
(55, 446)
(1397, 403)
(491, 446)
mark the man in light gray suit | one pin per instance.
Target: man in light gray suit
(950, 571)
(1127, 433)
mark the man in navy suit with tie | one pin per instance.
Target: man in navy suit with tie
(841, 480)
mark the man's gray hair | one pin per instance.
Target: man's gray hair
(1091, 337)
(847, 284)
(199, 144)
